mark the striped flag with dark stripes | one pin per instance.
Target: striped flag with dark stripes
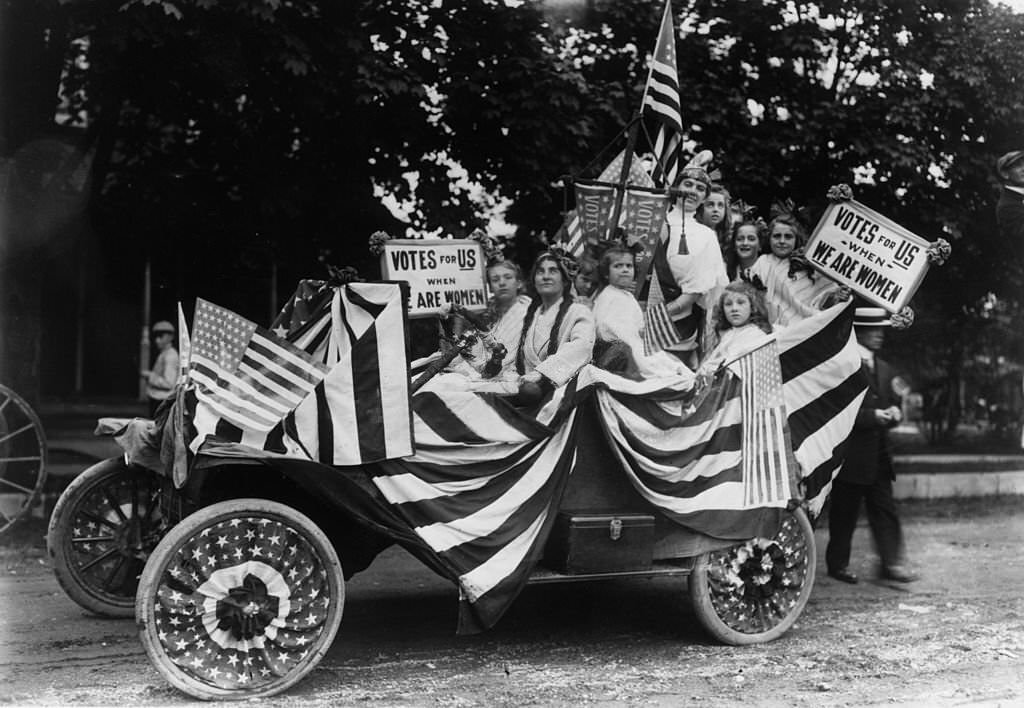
(360, 411)
(823, 388)
(661, 101)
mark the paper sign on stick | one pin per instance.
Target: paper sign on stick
(873, 255)
(438, 272)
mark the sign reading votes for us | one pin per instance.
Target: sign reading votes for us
(876, 257)
(438, 272)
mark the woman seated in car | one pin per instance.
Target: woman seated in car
(557, 336)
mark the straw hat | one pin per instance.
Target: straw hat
(871, 317)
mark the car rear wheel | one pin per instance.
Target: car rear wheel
(754, 591)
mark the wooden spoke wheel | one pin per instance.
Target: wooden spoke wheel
(22, 458)
(755, 591)
(102, 530)
(240, 600)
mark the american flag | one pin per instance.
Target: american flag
(360, 411)
(637, 176)
(768, 459)
(659, 331)
(244, 375)
(570, 235)
(198, 615)
(661, 101)
(305, 320)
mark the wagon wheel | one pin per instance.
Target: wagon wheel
(240, 600)
(102, 530)
(22, 457)
(755, 591)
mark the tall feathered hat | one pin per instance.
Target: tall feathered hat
(697, 168)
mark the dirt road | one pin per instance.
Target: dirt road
(954, 638)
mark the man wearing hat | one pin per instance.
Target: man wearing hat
(1010, 208)
(161, 378)
(867, 471)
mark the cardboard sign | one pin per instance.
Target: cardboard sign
(876, 257)
(438, 272)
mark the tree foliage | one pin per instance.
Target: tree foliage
(243, 132)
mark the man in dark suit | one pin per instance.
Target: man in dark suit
(1010, 208)
(867, 472)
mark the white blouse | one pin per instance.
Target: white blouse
(618, 317)
(788, 299)
(576, 338)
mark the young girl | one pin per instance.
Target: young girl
(793, 290)
(741, 323)
(746, 244)
(619, 322)
(584, 283)
(716, 214)
(505, 312)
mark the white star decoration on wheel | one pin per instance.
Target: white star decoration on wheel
(218, 561)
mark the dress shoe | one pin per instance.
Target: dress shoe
(897, 574)
(843, 576)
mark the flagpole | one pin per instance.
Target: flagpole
(620, 191)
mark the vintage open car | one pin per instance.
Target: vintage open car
(232, 551)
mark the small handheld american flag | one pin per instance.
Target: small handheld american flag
(768, 461)
(659, 331)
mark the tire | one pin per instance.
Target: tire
(101, 532)
(240, 600)
(728, 589)
(23, 453)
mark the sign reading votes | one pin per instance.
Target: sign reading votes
(438, 272)
(876, 257)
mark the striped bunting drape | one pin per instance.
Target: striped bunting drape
(474, 492)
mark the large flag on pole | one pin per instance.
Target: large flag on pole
(661, 101)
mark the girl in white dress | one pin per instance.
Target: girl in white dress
(505, 312)
(619, 322)
(793, 290)
(741, 322)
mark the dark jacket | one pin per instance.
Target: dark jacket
(868, 452)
